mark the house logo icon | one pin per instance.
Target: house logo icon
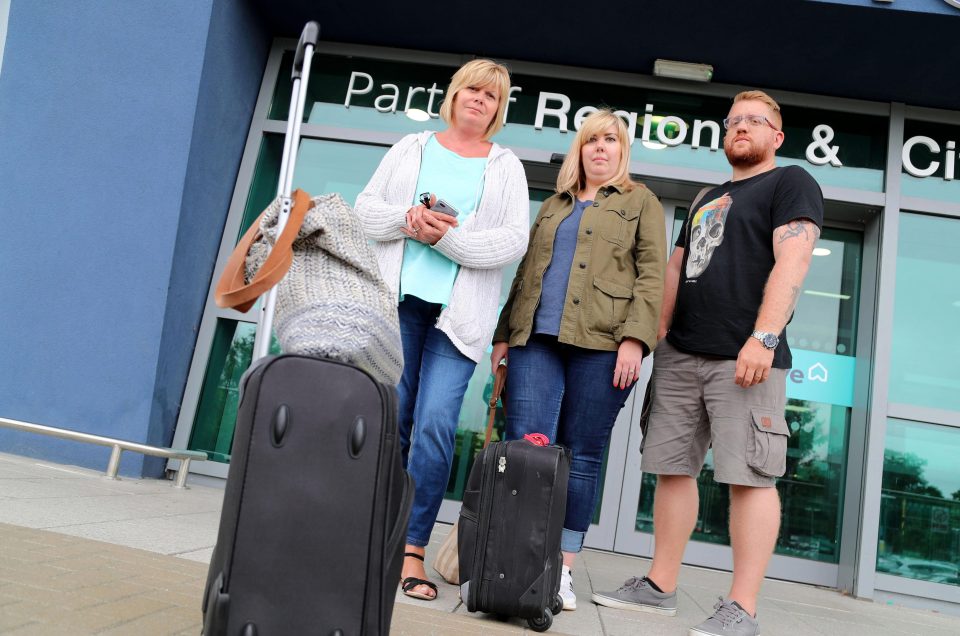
(817, 372)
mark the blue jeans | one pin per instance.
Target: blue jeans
(566, 393)
(435, 377)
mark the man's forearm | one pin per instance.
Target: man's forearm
(671, 281)
(781, 294)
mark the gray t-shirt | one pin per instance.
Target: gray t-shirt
(557, 276)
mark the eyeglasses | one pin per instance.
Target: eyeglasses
(753, 120)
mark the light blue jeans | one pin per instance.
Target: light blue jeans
(431, 390)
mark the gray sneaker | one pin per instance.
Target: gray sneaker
(729, 619)
(636, 594)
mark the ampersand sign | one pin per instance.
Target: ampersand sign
(822, 136)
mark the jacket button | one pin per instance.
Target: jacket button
(589, 231)
(576, 301)
(596, 205)
(583, 265)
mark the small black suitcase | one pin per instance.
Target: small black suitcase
(316, 505)
(509, 535)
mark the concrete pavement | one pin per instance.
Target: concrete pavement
(81, 554)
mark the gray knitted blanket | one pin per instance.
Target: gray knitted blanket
(333, 302)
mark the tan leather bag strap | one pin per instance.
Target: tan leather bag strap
(499, 379)
(231, 290)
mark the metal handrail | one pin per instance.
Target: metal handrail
(118, 446)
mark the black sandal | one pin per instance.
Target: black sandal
(408, 584)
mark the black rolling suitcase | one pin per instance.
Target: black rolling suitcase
(316, 504)
(509, 535)
(315, 511)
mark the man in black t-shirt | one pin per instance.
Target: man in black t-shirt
(719, 375)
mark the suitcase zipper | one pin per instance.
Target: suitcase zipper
(479, 590)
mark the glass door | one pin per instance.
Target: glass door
(822, 336)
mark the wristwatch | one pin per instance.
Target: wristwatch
(767, 339)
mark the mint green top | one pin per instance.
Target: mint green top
(426, 273)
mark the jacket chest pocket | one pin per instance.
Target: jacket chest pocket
(619, 226)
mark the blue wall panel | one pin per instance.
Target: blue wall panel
(236, 54)
(103, 107)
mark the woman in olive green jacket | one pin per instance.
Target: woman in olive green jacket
(583, 312)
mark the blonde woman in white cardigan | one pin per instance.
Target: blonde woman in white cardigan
(446, 272)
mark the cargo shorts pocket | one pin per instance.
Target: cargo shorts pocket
(767, 443)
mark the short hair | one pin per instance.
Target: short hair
(572, 178)
(479, 73)
(760, 96)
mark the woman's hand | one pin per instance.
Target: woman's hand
(414, 220)
(426, 226)
(629, 357)
(499, 353)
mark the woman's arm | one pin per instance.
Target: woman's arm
(381, 219)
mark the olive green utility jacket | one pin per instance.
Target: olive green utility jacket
(616, 279)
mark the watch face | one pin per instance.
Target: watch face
(770, 341)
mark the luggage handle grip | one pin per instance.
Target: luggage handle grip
(310, 36)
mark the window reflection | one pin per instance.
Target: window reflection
(919, 536)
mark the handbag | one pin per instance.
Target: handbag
(447, 563)
(331, 299)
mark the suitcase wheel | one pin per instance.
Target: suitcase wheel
(557, 606)
(543, 623)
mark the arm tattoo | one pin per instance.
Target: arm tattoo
(799, 227)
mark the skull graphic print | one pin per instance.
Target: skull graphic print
(706, 234)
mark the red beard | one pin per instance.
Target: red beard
(743, 158)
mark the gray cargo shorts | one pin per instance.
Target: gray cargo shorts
(694, 404)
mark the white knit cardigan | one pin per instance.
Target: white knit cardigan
(493, 236)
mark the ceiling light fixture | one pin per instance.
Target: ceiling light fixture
(826, 294)
(821, 251)
(683, 70)
(417, 114)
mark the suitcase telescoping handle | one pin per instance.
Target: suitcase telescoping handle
(310, 36)
(298, 96)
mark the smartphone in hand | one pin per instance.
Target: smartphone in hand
(440, 206)
(443, 207)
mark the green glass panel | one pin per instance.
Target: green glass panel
(919, 534)
(811, 490)
(825, 319)
(266, 179)
(330, 166)
(216, 416)
(924, 368)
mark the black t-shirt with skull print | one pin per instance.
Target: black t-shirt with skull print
(730, 257)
